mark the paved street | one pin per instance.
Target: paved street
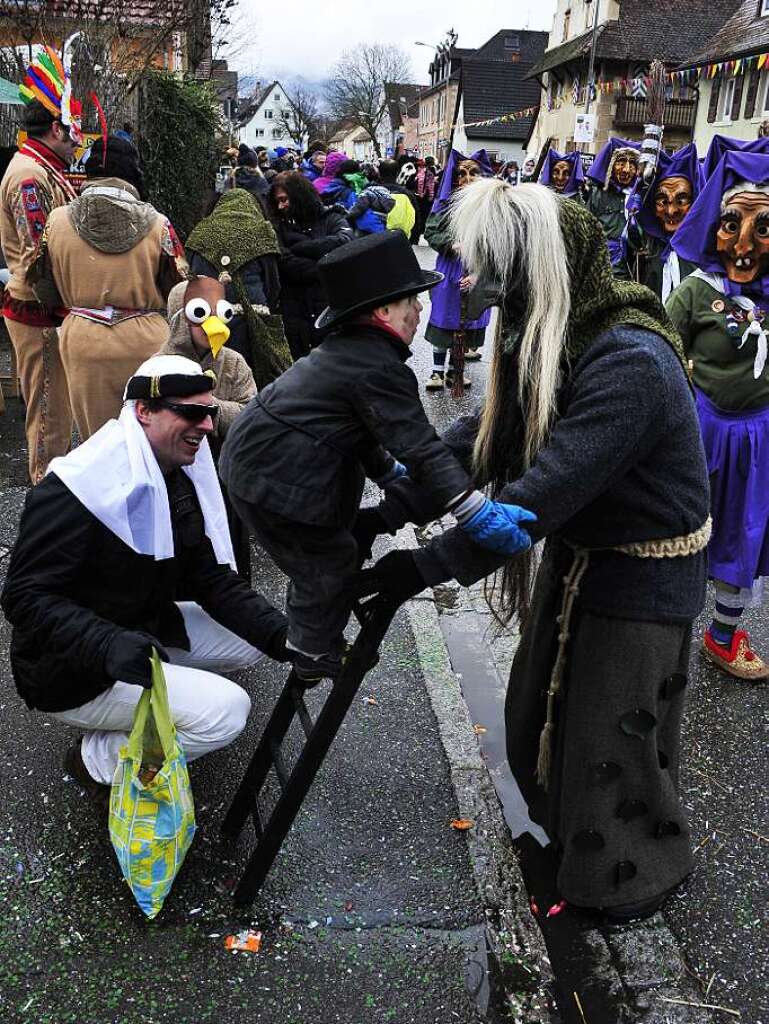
(376, 909)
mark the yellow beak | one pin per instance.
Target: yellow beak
(217, 333)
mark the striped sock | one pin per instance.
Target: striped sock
(727, 615)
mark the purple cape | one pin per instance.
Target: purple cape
(449, 172)
(684, 163)
(445, 297)
(695, 240)
(576, 175)
(722, 144)
(600, 165)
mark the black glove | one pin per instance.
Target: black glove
(368, 526)
(128, 658)
(394, 576)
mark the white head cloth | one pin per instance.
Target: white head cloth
(115, 475)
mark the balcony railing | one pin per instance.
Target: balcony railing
(678, 113)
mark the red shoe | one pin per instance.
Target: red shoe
(737, 659)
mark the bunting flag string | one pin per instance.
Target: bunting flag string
(638, 85)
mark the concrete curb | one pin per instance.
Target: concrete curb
(514, 939)
(642, 964)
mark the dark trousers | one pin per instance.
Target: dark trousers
(319, 562)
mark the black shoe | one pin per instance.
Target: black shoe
(74, 766)
(311, 671)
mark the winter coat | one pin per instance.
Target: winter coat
(73, 586)
(302, 449)
(301, 293)
(368, 215)
(251, 179)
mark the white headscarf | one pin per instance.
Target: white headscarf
(115, 475)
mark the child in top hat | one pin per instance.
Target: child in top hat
(295, 461)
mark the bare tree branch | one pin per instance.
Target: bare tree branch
(355, 92)
(300, 118)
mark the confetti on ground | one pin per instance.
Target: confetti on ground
(462, 824)
(244, 942)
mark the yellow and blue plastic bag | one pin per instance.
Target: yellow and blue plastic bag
(152, 822)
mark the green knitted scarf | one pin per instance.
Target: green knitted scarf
(233, 235)
(598, 300)
(236, 231)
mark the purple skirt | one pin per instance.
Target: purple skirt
(737, 450)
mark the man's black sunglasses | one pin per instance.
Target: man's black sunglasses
(190, 411)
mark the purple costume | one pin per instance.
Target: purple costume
(722, 144)
(711, 313)
(684, 163)
(445, 297)
(600, 166)
(576, 175)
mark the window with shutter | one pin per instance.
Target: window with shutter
(750, 98)
(738, 85)
(715, 91)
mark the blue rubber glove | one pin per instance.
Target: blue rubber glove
(394, 473)
(495, 526)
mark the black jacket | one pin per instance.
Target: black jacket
(302, 295)
(73, 585)
(301, 448)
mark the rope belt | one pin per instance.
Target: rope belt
(672, 547)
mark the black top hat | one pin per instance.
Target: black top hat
(369, 272)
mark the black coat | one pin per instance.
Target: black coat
(301, 448)
(301, 293)
(73, 585)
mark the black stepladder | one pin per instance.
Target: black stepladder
(375, 616)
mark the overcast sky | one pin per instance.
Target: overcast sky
(307, 36)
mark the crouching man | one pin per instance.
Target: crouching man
(123, 547)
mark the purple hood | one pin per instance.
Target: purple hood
(333, 162)
(576, 176)
(695, 240)
(449, 173)
(600, 166)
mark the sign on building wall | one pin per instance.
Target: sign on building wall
(584, 128)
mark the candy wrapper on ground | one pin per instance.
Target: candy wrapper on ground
(151, 812)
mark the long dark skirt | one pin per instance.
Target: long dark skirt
(612, 809)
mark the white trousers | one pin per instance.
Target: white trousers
(208, 710)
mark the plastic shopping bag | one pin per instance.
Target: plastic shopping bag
(151, 811)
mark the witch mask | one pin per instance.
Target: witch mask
(672, 201)
(468, 171)
(559, 175)
(742, 239)
(208, 314)
(624, 167)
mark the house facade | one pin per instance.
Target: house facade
(398, 132)
(628, 36)
(262, 119)
(438, 101)
(353, 140)
(734, 76)
(495, 82)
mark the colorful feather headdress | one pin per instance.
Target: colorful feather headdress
(49, 82)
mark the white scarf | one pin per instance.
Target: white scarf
(671, 274)
(115, 475)
(716, 281)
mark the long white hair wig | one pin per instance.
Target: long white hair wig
(513, 234)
